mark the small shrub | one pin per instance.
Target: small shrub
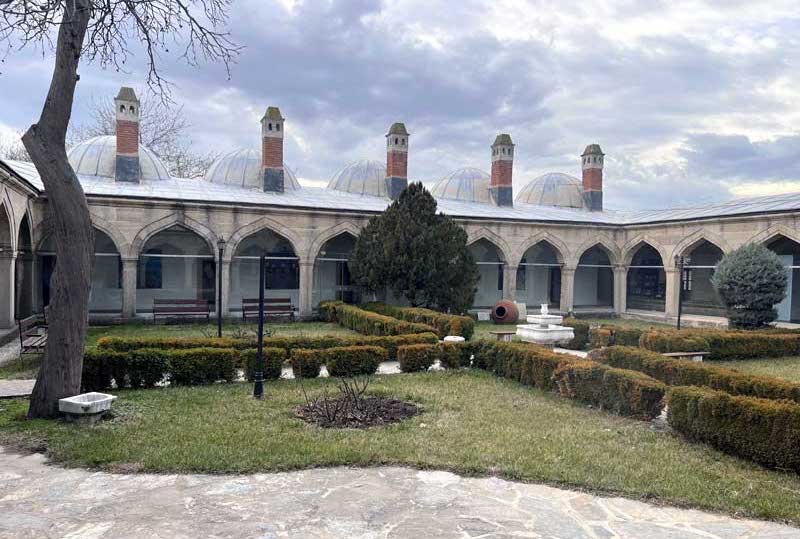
(97, 372)
(451, 355)
(615, 335)
(580, 329)
(200, 366)
(352, 361)
(765, 431)
(681, 372)
(445, 324)
(140, 368)
(622, 392)
(673, 341)
(306, 363)
(369, 323)
(416, 357)
(274, 358)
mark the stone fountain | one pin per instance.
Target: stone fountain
(545, 329)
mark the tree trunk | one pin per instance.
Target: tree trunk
(60, 374)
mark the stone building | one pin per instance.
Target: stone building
(164, 237)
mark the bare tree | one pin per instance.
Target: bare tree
(163, 128)
(95, 30)
(13, 149)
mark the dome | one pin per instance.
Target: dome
(467, 184)
(553, 189)
(242, 168)
(98, 157)
(361, 178)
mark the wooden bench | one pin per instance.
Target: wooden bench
(272, 307)
(32, 336)
(504, 336)
(694, 356)
(181, 308)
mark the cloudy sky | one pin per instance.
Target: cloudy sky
(692, 101)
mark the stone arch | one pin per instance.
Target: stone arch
(164, 223)
(630, 249)
(7, 239)
(769, 234)
(328, 234)
(493, 238)
(108, 228)
(604, 242)
(559, 247)
(694, 239)
(259, 224)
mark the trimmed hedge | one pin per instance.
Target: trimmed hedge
(622, 336)
(681, 372)
(146, 367)
(353, 360)
(622, 392)
(390, 343)
(452, 355)
(274, 358)
(416, 357)
(367, 322)
(724, 345)
(526, 363)
(306, 363)
(765, 431)
(445, 324)
(581, 331)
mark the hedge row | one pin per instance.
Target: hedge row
(445, 324)
(390, 343)
(610, 335)
(681, 372)
(420, 357)
(149, 366)
(763, 430)
(367, 322)
(581, 331)
(623, 392)
(723, 345)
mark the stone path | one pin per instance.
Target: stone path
(37, 500)
(10, 389)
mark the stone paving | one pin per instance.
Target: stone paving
(37, 500)
(10, 389)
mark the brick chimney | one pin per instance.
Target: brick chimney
(592, 164)
(500, 187)
(127, 111)
(272, 150)
(396, 160)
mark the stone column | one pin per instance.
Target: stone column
(567, 288)
(509, 282)
(7, 270)
(225, 292)
(620, 289)
(673, 288)
(129, 266)
(306, 288)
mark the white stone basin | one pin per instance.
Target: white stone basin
(548, 335)
(545, 319)
(86, 404)
(454, 338)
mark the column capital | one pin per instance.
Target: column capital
(129, 259)
(570, 269)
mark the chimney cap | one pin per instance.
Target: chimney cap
(503, 139)
(398, 128)
(274, 114)
(592, 149)
(126, 94)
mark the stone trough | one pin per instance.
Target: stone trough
(86, 407)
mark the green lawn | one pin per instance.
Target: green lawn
(472, 423)
(784, 367)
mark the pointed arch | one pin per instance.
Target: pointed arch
(688, 243)
(177, 218)
(328, 234)
(502, 246)
(632, 246)
(606, 243)
(259, 224)
(559, 247)
(7, 237)
(769, 234)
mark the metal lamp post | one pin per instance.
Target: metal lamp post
(220, 248)
(258, 388)
(680, 263)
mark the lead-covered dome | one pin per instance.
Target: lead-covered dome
(361, 178)
(467, 184)
(98, 157)
(242, 168)
(553, 189)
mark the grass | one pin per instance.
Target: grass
(482, 329)
(785, 367)
(472, 423)
(24, 368)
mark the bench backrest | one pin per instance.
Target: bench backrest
(270, 304)
(180, 305)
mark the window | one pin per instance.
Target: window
(132, 109)
(521, 275)
(151, 277)
(395, 140)
(500, 276)
(122, 108)
(277, 127)
(687, 280)
(269, 127)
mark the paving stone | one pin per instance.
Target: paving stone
(37, 500)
